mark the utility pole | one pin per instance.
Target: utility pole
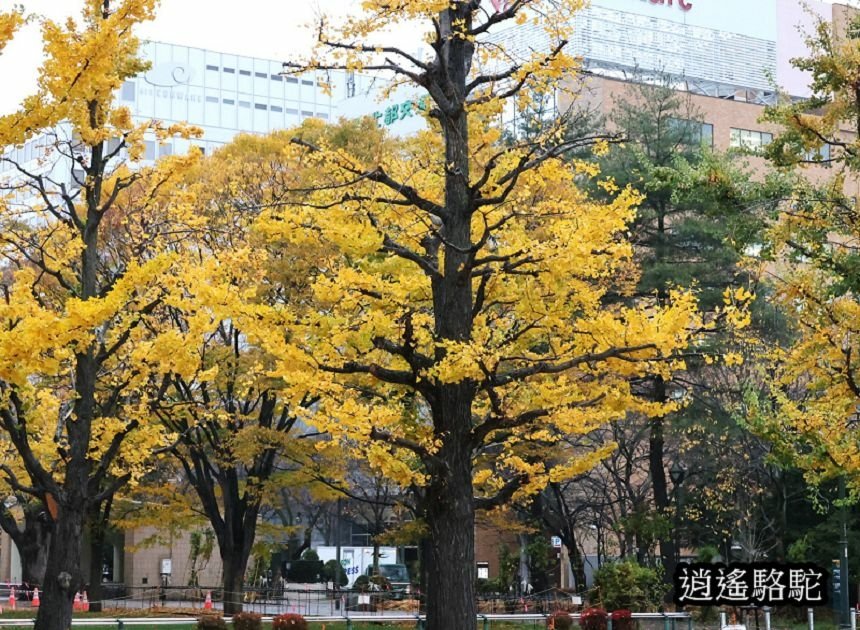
(844, 612)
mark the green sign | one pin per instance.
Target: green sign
(401, 111)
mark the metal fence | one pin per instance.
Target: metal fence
(484, 622)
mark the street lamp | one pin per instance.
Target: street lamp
(677, 473)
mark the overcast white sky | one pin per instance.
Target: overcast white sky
(275, 29)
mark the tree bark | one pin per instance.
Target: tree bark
(31, 538)
(97, 521)
(661, 495)
(63, 572)
(451, 575)
(235, 563)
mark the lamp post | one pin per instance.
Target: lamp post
(677, 473)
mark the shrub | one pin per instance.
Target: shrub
(593, 619)
(310, 554)
(622, 619)
(247, 621)
(332, 569)
(362, 583)
(561, 620)
(289, 621)
(305, 571)
(627, 585)
(211, 622)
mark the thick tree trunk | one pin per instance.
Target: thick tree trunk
(34, 560)
(63, 572)
(235, 563)
(32, 541)
(451, 520)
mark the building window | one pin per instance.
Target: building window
(290, 110)
(277, 109)
(260, 106)
(128, 90)
(215, 68)
(304, 82)
(277, 77)
(483, 570)
(245, 104)
(261, 75)
(323, 116)
(819, 154)
(692, 132)
(304, 113)
(149, 150)
(749, 140)
(292, 80)
(245, 73)
(211, 99)
(165, 149)
(229, 101)
(230, 70)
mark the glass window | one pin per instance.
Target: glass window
(229, 101)
(230, 70)
(209, 67)
(749, 140)
(211, 99)
(277, 77)
(245, 104)
(165, 149)
(292, 80)
(304, 82)
(261, 75)
(245, 73)
(819, 154)
(323, 116)
(290, 110)
(277, 108)
(149, 151)
(306, 113)
(260, 106)
(128, 90)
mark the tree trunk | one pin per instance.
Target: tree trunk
(235, 563)
(32, 541)
(34, 560)
(451, 521)
(661, 494)
(63, 572)
(93, 584)
(577, 565)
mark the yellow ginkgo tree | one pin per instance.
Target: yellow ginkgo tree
(84, 272)
(463, 322)
(810, 411)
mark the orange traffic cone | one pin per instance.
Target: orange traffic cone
(207, 605)
(12, 598)
(35, 603)
(76, 605)
(85, 603)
